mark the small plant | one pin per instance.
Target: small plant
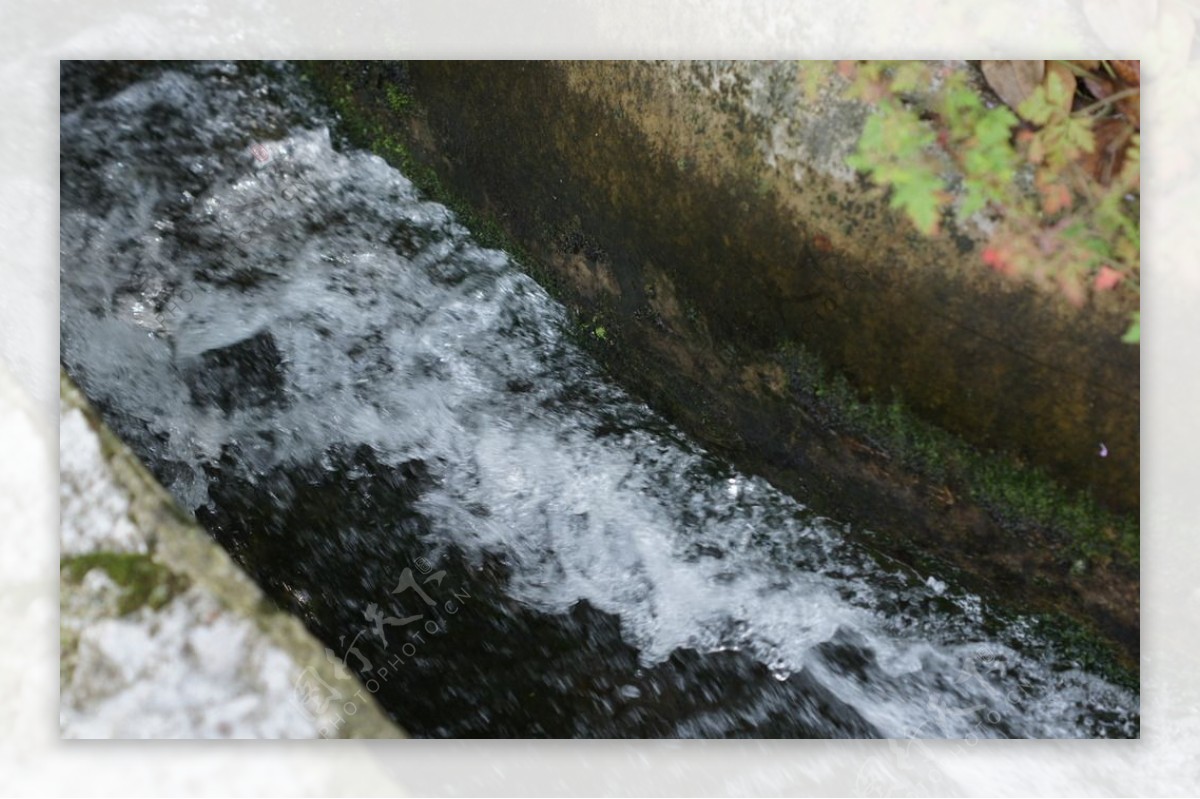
(1056, 168)
(397, 100)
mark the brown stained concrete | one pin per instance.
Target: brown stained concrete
(703, 215)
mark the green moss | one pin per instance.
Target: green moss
(397, 100)
(1017, 495)
(144, 582)
(1077, 646)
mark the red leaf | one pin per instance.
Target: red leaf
(997, 258)
(1107, 278)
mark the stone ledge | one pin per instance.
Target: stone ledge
(162, 635)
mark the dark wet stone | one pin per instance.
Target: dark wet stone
(246, 374)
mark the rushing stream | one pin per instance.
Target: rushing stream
(392, 430)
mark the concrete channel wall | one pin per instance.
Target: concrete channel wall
(162, 634)
(699, 220)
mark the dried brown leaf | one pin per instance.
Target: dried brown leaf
(1013, 81)
(1099, 86)
(1130, 72)
(1108, 156)
(1055, 197)
(1131, 107)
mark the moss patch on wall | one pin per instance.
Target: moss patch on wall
(144, 582)
(1021, 497)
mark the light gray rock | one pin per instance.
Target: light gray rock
(162, 635)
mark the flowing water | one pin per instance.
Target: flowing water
(392, 430)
